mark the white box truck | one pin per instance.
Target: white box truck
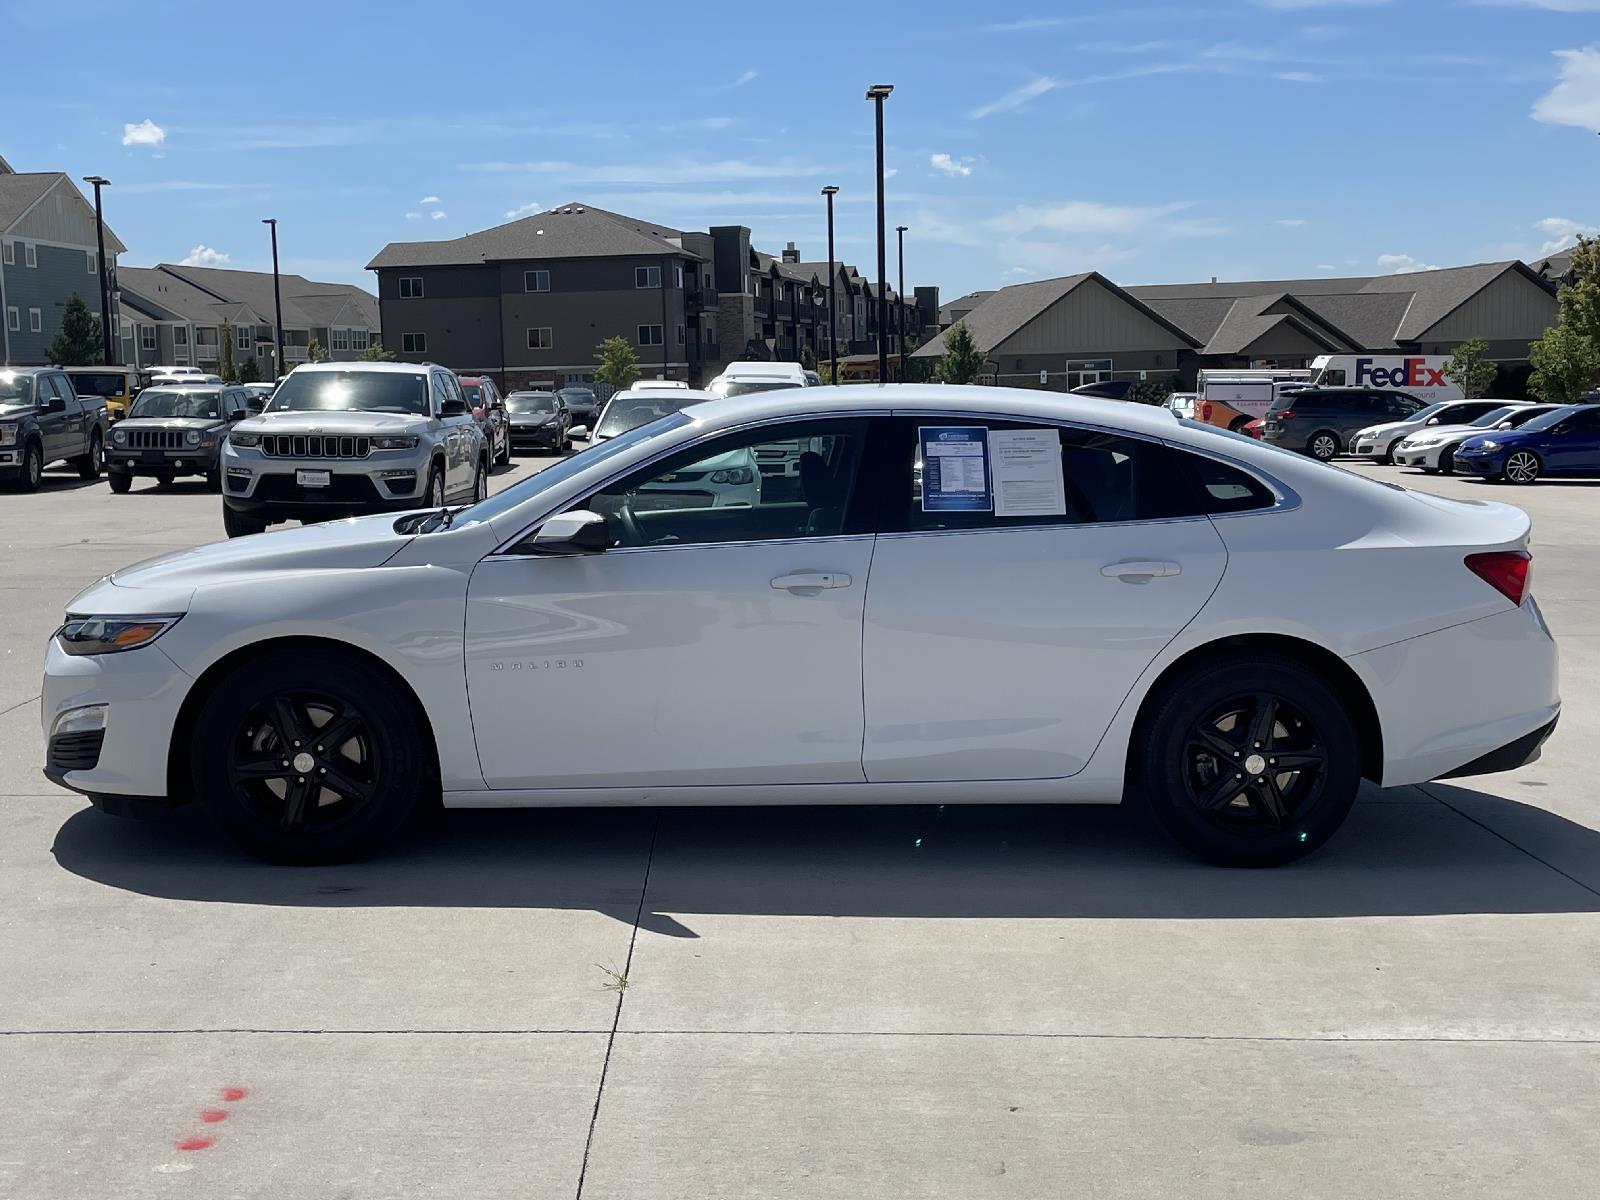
(1419, 375)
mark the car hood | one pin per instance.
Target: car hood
(1388, 427)
(166, 583)
(531, 418)
(1502, 437)
(170, 422)
(320, 421)
(10, 412)
(1431, 430)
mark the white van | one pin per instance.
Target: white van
(1419, 375)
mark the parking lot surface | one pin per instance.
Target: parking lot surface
(643, 1004)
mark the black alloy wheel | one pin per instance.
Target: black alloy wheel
(304, 759)
(1254, 762)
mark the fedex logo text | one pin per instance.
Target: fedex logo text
(1413, 372)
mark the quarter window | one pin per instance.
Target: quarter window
(539, 339)
(536, 281)
(411, 287)
(414, 343)
(649, 335)
(647, 277)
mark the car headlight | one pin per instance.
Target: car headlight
(192, 437)
(1420, 443)
(119, 436)
(247, 440)
(732, 475)
(399, 442)
(111, 635)
(1365, 433)
(1489, 444)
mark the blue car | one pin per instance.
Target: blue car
(1564, 441)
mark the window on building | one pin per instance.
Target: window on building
(414, 343)
(536, 281)
(13, 319)
(647, 277)
(91, 256)
(36, 320)
(360, 339)
(755, 285)
(30, 254)
(649, 335)
(147, 337)
(707, 282)
(244, 338)
(180, 335)
(677, 275)
(411, 287)
(711, 335)
(338, 339)
(680, 335)
(540, 339)
(8, 253)
(206, 335)
(1081, 371)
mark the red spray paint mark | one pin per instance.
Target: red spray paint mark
(198, 1141)
(212, 1115)
(234, 1093)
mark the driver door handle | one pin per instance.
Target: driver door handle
(811, 581)
(1138, 570)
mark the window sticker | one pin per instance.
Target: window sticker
(1026, 465)
(955, 468)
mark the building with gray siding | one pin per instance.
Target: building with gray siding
(48, 254)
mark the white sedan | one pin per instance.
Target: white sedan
(1379, 441)
(1434, 450)
(1085, 601)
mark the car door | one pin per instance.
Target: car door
(714, 643)
(55, 430)
(1573, 446)
(999, 640)
(448, 429)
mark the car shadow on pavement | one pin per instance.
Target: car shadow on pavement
(1394, 858)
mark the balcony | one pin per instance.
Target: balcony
(701, 298)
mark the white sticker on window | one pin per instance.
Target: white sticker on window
(1027, 473)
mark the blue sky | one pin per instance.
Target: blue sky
(1245, 139)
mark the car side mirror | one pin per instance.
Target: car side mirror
(236, 414)
(55, 404)
(578, 532)
(579, 431)
(1433, 420)
(255, 406)
(453, 408)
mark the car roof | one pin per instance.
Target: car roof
(685, 396)
(392, 368)
(26, 370)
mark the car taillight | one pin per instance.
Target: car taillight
(1286, 414)
(1506, 571)
(1205, 411)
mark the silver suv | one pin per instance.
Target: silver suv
(353, 437)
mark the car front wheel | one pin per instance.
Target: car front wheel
(1323, 446)
(1447, 463)
(120, 481)
(1523, 467)
(1249, 762)
(237, 524)
(32, 474)
(308, 758)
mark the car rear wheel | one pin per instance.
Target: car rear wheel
(1324, 445)
(1249, 762)
(1238, 424)
(308, 758)
(120, 481)
(89, 464)
(238, 525)
(1523, 467)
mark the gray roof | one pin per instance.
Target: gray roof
(567, 231)
(1230, 325)
(208, 295)
(1368, 319)
(20, 191)
(1436, 294)
(1247, 287)
(1554, 266)
(952, 309)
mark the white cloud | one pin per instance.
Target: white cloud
(1080, 217)
(1290, 222)
(890, 172)
(1325, 266)
(675, 171)
(1560, 6)
(1297, 5)
(1016, 97)
(747, 77)
(1402, 264)
(429, 200)
(951, 166)
(523, 210)
(438, 214)
(1563, 232)
(204, 256)
(413, 216)
(715, 122)
(1299, 77)
(1575, 100)
(145, 133)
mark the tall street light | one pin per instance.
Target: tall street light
(833, 323)
(900, 300)
(277, 296)
(106, 350)
(877, 93)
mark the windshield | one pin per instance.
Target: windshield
(630, 412)
(1494, 416)
(576, 395)
(744, 387)
(566, 468)
(15, 389)
(474, 394)
(351, 391)
(160, 402)
(96, 383)
(1516, 418)
(1422, 414)
(531, 402)
(1546, 419)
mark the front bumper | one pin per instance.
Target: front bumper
(1485, 463)
(1427, 457)
(270, 488)
(198, 461)
(549, 436)
(1370, 447)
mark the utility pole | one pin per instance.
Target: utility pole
(900, 305)
(277, 295)
(108, 353)
(833, 323)
(877, 93)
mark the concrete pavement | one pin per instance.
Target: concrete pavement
(818, 1003)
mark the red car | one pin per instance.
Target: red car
(489, 410)
(1254, 428)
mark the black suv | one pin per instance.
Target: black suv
(1322, 421)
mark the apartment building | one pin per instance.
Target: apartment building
(175, 314)
(530, 301)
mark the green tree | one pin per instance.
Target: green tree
(963, 361)
(249, 372)
(619, 365)
(229, 373)
(808, 358)
(78, 344)
(1565, 364)
(376, 353)
(315, 352)
(1469, 367)
(1150, 391)
(1580, 299)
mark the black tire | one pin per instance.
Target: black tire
(1210, 718)
(120, 481)
(1323, 445)
(1447, 462)
(32, 473)
(504, 457)
(89, 464)
(345, 800)
(1239, 423)
(433, 495)
(238, 525)
(1523, 467)
(480, 481)
(165, 476)
(214, 481)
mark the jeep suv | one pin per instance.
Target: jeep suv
(353, 437)
(173, 430)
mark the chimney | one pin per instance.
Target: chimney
(1213, 279)
(790, 254)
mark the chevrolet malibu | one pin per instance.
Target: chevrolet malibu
(1082, 602)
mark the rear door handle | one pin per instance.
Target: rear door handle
(1136, 570)
(811, 581)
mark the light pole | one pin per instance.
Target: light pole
(877, 93)
(900, 300)
(833, 323)
(277, 296)
(106, 351)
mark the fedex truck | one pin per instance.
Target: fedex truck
(1420, 375)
